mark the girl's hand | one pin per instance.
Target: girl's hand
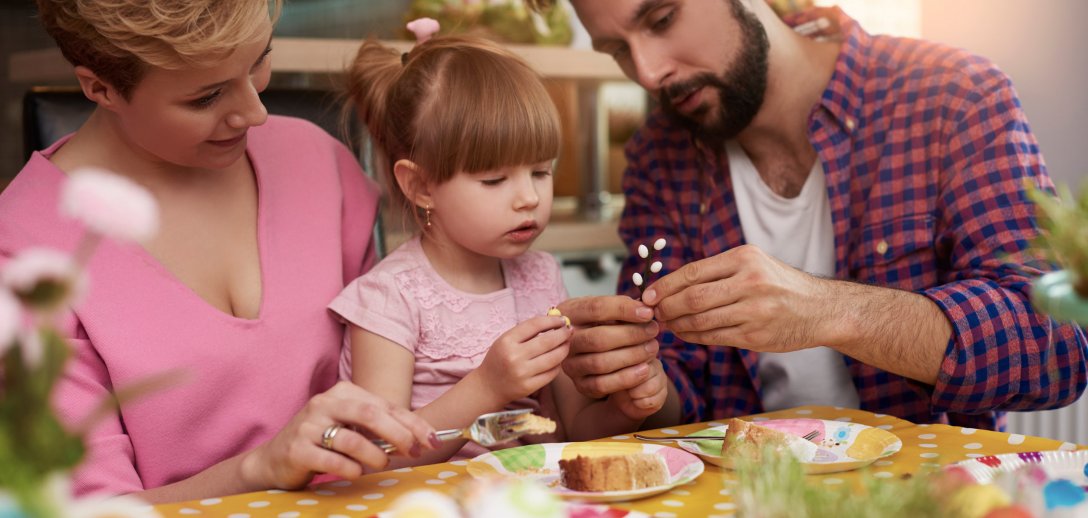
(647, 398)
(526, 358)
(296, 453)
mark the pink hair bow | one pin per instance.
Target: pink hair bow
(423, 28)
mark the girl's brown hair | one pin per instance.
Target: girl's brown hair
(119, 39)
(453, 104)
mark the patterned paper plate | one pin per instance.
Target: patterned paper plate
(541, 462)
(576, 510)
(1068, 465)
(843, 446)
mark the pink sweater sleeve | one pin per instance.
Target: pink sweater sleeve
(109, 463)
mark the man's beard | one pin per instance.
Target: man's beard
(740, 89)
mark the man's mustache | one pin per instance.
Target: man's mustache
(677, 91)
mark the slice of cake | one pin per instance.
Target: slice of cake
(613, 472)
(752, 439)
(532, 424)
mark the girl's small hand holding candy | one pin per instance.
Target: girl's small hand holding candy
(554, 312)
(525, 358)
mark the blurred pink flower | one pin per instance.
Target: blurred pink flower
(423, 28)
(34, 268)
(9, 320)
(110, 205)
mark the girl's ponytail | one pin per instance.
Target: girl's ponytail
(369, 79)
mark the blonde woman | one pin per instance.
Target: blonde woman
(263, 220)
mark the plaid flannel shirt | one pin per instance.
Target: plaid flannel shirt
(925, 149)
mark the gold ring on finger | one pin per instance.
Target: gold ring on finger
(329, 435)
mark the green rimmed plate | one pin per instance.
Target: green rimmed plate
(843, 446)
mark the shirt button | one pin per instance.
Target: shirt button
(882, 247)
(851, 123)
(702, 209)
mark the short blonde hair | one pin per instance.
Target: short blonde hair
(119, 39)
(453, 104)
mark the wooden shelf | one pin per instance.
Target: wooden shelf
(568, 234)
(560, 237)
(330, 56)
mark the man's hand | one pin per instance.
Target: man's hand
(747, 299)
(614, 340)
(744, 298)
(647, 398)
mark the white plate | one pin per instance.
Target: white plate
(843, 446)
(575, 509)
(1068, 465)
(541, 462)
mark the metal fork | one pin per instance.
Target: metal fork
(486, 430)
(808, 437)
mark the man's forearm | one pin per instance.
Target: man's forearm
(894, 330)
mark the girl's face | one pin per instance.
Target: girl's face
(198, 117)
(493, 213)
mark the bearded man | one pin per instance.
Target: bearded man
(846, 223)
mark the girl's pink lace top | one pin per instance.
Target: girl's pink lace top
(448, 331)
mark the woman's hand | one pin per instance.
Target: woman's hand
(526, 358)
(296, 453)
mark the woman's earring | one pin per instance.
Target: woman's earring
(427, 218)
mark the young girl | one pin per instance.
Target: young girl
(453, 323)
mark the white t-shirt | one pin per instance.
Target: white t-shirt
(798, 232)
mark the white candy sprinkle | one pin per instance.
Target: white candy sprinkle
(659, 244)
(656, 267)
(643, 252)
(637, 278)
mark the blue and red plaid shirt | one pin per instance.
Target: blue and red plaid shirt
(925, 149)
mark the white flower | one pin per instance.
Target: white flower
(110, 205)
(36, 268)
(9, 319)
(637, 278)
(515, 497)
(656, 267)
(659, 244)
(643, 252)
(114, 507)
(59, 488)
(425, 502)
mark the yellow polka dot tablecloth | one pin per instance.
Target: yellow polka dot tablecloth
(923, 447)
